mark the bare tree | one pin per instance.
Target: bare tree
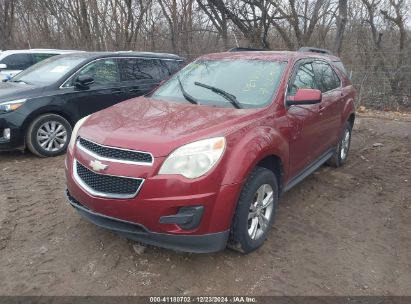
(378, 51)
(7, 8)
(341, 24)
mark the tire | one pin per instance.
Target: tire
(242, 237)
(341, 154)
(48, 135)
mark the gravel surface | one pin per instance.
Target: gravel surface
(343, 231)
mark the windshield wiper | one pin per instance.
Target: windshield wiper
(185, 94)
(230, 97)
(18, 81)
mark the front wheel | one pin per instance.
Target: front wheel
(48, 135)
(255, 211)
(341, 154)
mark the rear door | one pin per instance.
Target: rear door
(106, 90)
(330, 107)
(304, 120)
(141, 75)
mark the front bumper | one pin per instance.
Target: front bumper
(17, 135)
(191, 243)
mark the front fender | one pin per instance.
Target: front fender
(45, 105)
(249, 147)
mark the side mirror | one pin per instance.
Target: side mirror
(3, 66)
(84, 81)
(304, 97)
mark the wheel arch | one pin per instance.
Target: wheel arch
(45, 111)
(275, 165)
(351, 119)
(260, 146)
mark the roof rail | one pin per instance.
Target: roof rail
(314, 50)
(244, 49)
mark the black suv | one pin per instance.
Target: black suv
(40, 106)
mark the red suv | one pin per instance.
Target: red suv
(201, 162)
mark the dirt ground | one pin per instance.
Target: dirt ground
(342, 231)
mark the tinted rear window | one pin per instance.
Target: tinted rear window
(18, 61)
(339, 65)
(142, 69)
(173, 65)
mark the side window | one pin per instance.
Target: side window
(326, 77)
(172, 65)
(37, 57)
(142, 69)
(304, 79)
(104, 71)
(339, 65)
(18, 61)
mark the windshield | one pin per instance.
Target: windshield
(253, 83)
(49, 71)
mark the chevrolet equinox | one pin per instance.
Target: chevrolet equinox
(201, 162)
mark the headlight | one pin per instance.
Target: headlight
(10, 106)
(195, 159)
(75, 131)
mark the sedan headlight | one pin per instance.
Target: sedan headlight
(10, 106)
(195, 159)
(75, 131)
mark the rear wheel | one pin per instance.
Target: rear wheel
(255, 211)
(341, 154)
(48, 135)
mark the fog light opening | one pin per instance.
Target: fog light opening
(187, 218)
(6, 134)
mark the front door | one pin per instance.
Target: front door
(104, 92)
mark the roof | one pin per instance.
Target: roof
(55, 51)
(268, 55)
(96, 55)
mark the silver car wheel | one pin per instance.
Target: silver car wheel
(52, 136)
(345, 144)
(260, 211)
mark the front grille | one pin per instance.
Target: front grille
(107, 185)
(116, 153)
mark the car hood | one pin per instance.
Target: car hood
(13, 90)
(159, 127)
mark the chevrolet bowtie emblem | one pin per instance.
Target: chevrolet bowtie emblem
(98, 166)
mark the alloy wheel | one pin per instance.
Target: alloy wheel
(345, 144)
(260, 211)
(52, 136)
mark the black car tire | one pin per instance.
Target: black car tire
(34, 128)
(338, 159)
(240, 239)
